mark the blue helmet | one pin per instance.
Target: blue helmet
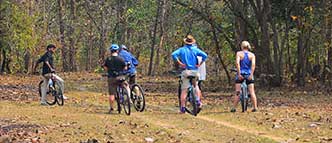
(114, 47)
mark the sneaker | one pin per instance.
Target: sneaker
(199, 109)
(254, 110)
(233, 110)
(183, 110)
(65, 97)
(111, 110)
(44, 104)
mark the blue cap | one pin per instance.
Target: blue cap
(114, 47)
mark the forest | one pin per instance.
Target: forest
(292, 39)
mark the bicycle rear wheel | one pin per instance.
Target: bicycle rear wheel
(117, 98)
(244, 101)
(39, 87)
(125, 101)
(58, 96)
(191, 105)
(138, 98)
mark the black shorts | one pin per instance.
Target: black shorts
(237, 80)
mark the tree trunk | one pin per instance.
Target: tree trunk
(161, 42)
(300, 60)
(102, 32)
(153, 43)
(27, 58)
(72, 49)
(276, 54)
(262, 10)
(218, 49)
(64, 51)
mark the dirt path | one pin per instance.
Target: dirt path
(210, 120)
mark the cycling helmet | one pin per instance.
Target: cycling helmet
(114, 47)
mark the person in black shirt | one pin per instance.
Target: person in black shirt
(115, 67)
(48, 69)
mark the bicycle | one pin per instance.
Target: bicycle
(122, 97)
(137, 97)
(191, 105)
(244, 95)
(54, 92)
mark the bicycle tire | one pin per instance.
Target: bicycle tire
(191, 98)
(118, 99)
(139, 100)
(179, 93)
(243, 100)
(58, 96)
(39, 87)
(51, 97)
(126, 101)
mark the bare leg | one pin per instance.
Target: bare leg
(183, 97)
(199, 93)
(252, 95)
(111, 100)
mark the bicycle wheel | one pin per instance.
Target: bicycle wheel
(179, 94)
(58, 96)
(138, 98)
(117, 98)
(191, 105)
(243, 99)
(39, 87)
(125, 101)
(51, 96)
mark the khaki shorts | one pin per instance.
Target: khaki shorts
(185, 81)
(113, 83)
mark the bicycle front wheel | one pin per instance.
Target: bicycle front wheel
(191, 105)
(51, 97)
(125, 101)
(137, 96)
(244, 101)
(58, 96)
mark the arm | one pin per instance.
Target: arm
(203, 55)
(134, 61)
(238, 58)
(175, 56)
(253, 65)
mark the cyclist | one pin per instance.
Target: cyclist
(115, 67)
(48, 69)
(245, 65)
(186, 57)
(202, 72)
(132, 61)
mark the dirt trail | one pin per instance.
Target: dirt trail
(225, 124)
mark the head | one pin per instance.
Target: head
(51, 48)
(114, 48)
(245, 45)
(189, 40)
(123, 47)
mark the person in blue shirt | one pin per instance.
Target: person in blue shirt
(186, 57)
(131, 61)
(245, 66)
